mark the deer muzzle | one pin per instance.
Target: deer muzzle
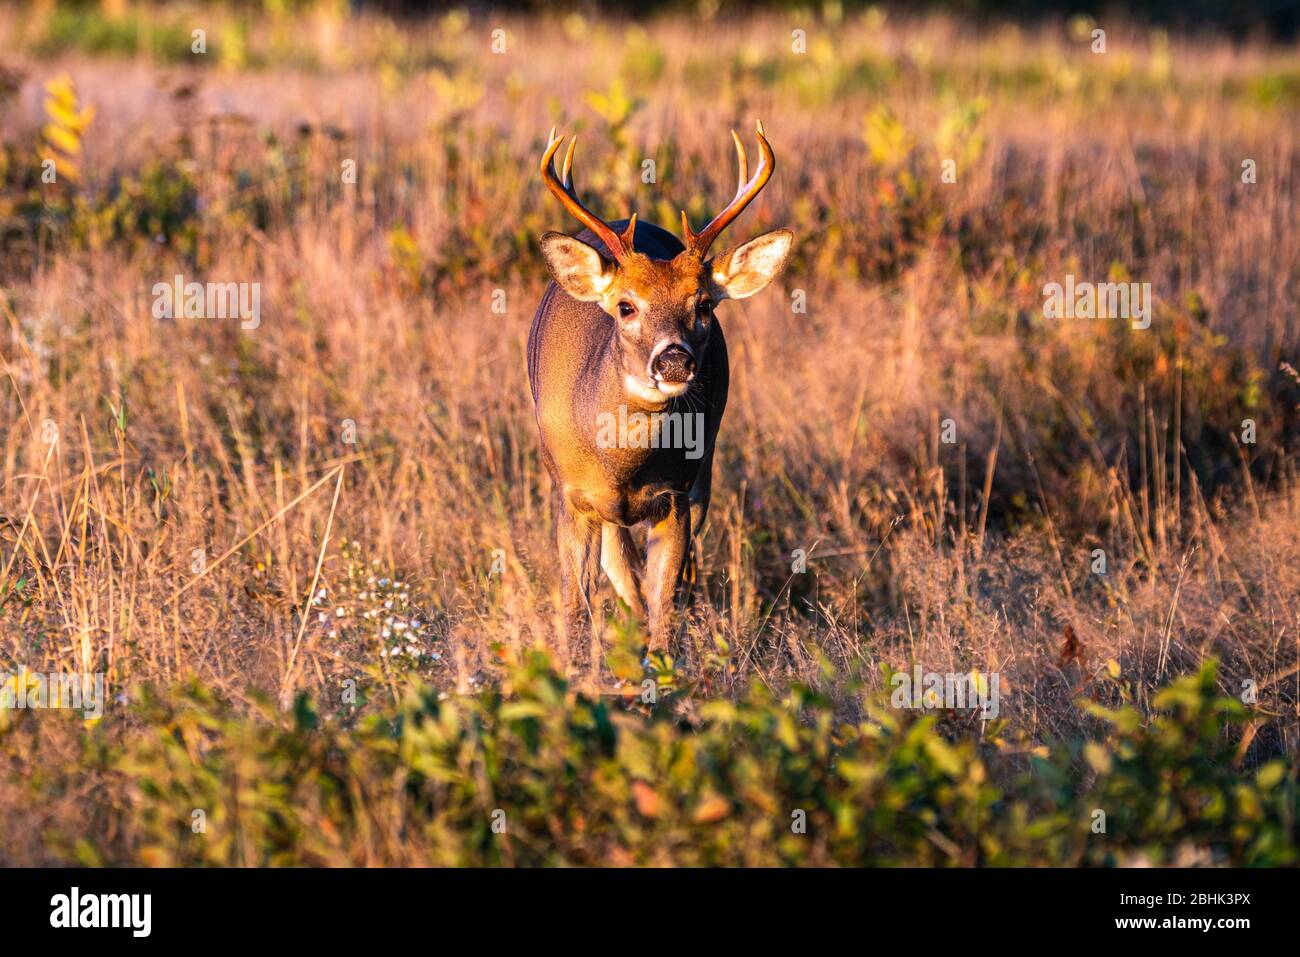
(673, 363)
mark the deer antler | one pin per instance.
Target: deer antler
(563, 188)
(745, 193)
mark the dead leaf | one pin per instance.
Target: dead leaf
(647, 801)
(714, 807)
(1072, 648)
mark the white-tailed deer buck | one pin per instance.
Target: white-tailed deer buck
(627, 332)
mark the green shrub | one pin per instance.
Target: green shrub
(534, 774)
(133, 33)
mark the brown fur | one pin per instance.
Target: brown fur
(579, 358)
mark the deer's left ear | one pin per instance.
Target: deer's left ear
(746, 269)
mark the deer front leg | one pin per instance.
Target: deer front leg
(623, 566)
(579, 541)
(699, 499)
(666, 550)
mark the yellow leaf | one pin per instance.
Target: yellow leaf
(1097, 757)
(886, 138)
(1270, 774)
(62, 140)
(61, 88)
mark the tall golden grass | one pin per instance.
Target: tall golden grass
(179, 497)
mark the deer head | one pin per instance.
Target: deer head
(663, 308)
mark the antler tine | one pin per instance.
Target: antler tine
(565, 193)
(746, 190)
(569, 184)
(741, 162)
(629, 233)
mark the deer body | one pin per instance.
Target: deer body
(627, 330)
(575, 378)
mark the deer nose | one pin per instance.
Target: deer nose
(673, 362)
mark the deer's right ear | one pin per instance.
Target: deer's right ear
(580, 270)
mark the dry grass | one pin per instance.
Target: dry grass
(923, 304)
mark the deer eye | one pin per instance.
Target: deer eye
(626, 310)
(704, 309)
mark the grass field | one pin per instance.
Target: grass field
(344, 502)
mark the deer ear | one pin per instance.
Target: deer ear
(746, 269)
(580, 270)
